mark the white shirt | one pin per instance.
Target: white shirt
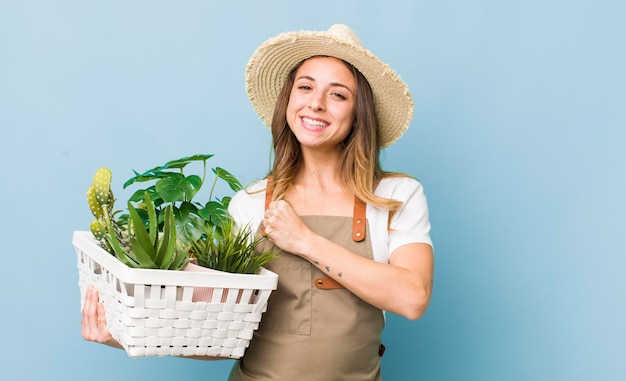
(410, 224)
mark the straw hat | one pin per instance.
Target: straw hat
(271, 63)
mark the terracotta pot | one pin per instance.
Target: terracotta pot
(210, 294)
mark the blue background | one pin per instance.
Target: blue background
(518, 138)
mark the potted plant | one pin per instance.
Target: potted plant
(132, 256)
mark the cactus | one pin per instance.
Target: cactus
(101, 200)
(130, 240)
(98, 229)
(102, 186)
(94, 205)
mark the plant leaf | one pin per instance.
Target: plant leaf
(226, 201)
(144, 257)
(141, 236)
(181, 257)
(177, 187)
(214, 212)
(152, 219)
(158, 172)
(195, 183)
(231, 180)
(188, 223)
(146, 176)
(125, 257)
(182, 162)
(139, 194)
(167, 244)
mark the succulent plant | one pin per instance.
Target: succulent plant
(149, 247)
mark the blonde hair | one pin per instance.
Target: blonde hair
(359, 167)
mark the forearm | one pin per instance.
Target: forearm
(403, 288)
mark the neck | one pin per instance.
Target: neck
(319, 170)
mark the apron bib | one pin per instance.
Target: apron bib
(315, 329)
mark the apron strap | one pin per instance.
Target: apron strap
(358, 220)
(269, 192)
(327, 284)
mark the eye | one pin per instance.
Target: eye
(339, 95)
(304, 87)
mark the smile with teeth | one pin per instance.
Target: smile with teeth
(314, 123)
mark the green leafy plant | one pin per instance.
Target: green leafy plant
(171, 186)
(230, 249)
(165, 227)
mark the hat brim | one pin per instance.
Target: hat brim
(272, 62)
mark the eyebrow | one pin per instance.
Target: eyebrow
(332, 83)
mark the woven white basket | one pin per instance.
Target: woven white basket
(155, 312)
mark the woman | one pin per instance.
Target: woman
(354, 240)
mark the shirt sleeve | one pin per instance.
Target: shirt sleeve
(410, 223)
(247, 206)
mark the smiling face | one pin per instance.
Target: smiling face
(321, 105)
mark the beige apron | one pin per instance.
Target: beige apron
(314, 329)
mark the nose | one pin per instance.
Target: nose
(316, 103)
